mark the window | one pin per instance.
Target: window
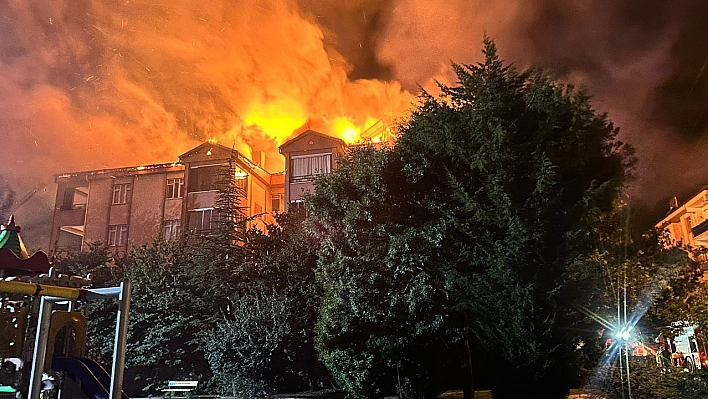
(205, 178)
(304, 168)
(276, 203)
(297, 205)
(74, 198)
(203, 221)
(121, 193)
(171, 230)
(241, 180)
(667, 236)
(175, 188)
(693, 344)
(117, 235)
(70, 238)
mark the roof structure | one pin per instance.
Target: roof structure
(311, 138)
(14, 258)
(10, 239)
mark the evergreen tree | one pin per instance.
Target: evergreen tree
(265, 343)
(460, 235)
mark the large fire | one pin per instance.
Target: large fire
(244, 73)
(97, 84)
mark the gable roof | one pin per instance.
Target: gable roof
(208, 149)
(311, 137)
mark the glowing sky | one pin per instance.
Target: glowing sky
(92, 84)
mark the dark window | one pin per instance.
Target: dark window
(276, 203)
(70, 238)
(297, 205)
(693, 344)
(171, 230)
(205, 178)
(117, 235)
(121, 193)
(74, 198)
(203, 221)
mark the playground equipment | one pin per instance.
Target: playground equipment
(33, 279)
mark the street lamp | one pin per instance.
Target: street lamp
(624, 333)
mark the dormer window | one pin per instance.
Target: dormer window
(205, 178)
(306, 167)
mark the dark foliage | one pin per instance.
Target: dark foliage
(267, 335)
(464, 230)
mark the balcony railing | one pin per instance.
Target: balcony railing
(700, 228)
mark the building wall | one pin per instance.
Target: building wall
(143, 213)
(686, 224)
(307, 144)
(98, 210)
(146, 208)
(72, 218)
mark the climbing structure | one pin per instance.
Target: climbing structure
(37, 335)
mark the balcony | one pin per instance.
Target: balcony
(700, 233)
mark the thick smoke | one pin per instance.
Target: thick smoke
(90, 84)
(644, 62)
(95, 84)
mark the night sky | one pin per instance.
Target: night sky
(94, 84)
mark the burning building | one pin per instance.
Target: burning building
(686, 224)
(131, 206)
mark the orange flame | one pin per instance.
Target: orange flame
(277, 119)
(244, 73)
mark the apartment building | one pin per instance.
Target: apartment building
(686, 224)
(307, 155)
(127, 207)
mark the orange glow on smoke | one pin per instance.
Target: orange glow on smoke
(247, 74)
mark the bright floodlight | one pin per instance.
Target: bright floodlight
(624, 333)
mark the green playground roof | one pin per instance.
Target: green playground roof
(14, 259)
(10, 239)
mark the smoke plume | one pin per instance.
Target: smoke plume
(88, 84)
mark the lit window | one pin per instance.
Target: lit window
(241, 180)
(171, 230)
(175, 188)
(117, 235)
(306, 167)
(121, 193)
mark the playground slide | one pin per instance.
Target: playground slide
(95, 381)
(101, 374)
